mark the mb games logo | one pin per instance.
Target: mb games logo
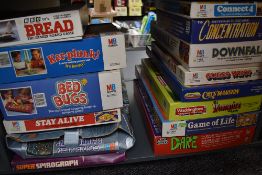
(203, 7)
(70, 92)
(200, 53)
(112, 42)
(111, 90)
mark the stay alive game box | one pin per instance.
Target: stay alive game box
(63, 96)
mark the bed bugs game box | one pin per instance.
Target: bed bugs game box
(63, 96)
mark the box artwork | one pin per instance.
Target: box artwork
(64, 96)
(45, 27)
(202, 31)
(189, 78)
(176, 110)
(204, 55)
(20, 164)
(210, 9)
(94, 53)
(192, 127)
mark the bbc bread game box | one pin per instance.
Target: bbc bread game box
(43, 25)
(62, 96)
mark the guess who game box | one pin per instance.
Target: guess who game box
(218, 55)
(94, 53)
(211, 9)
(51, 24)
(176, 110)
(63, 96)
(202, 31)
(194, 143)
(205, 92)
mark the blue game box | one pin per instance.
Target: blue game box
(200, 31)
(206, 92)
(192, 127)
(62, 96)
(94, 53)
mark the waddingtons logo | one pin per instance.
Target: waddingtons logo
(70, 92)
(235, 10)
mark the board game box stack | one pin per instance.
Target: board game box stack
(63, 102)
(201, 87)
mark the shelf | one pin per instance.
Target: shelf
(141, 152)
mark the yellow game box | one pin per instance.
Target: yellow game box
(176, 110)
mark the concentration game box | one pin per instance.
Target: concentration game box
(176, 110)
(96, 118)
(94, 53)
(207, 92)
(20, 164)
(193, 78)
(218, 55)
(192, 127)
(194, 143)
(211, 9)
(48, 26)
(202, 31)
(62, 96)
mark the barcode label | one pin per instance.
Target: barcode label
(4, 60)
(40, 100)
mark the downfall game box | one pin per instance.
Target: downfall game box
(191, 127)
(203, 77)
(63, 96)
(94, 53)
(217, 55)
(45, 26)
(202, 31)
(176, 110)
(211, 9)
